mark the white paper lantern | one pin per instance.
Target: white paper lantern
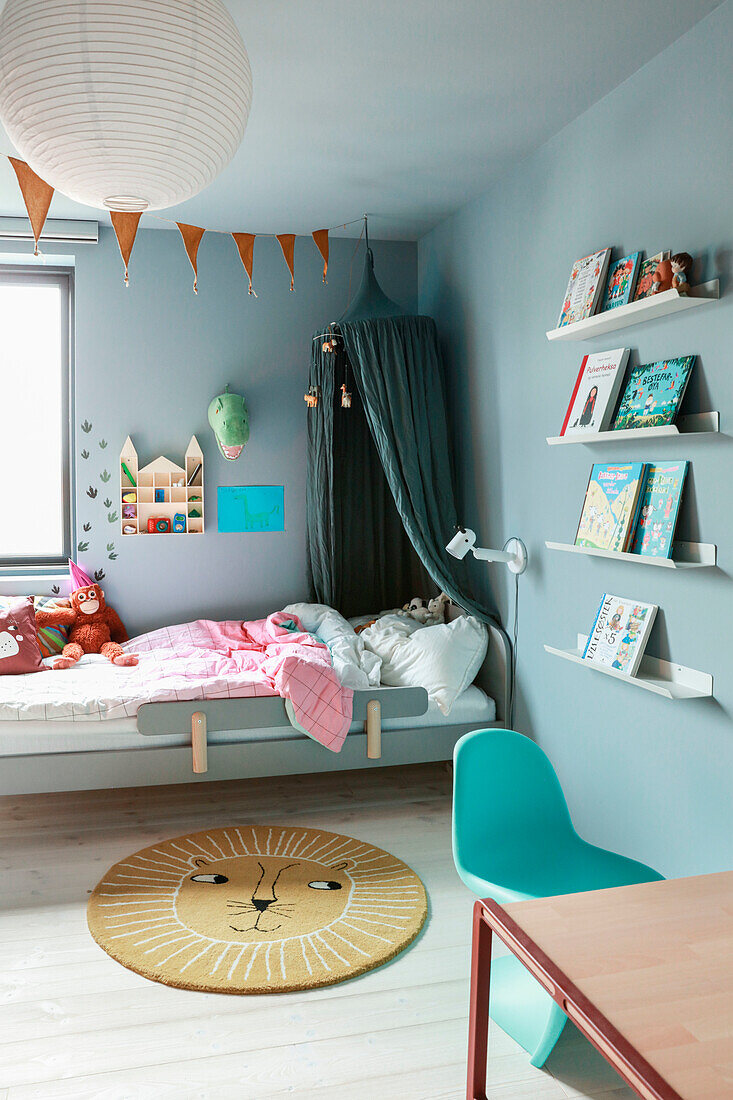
(124, 104)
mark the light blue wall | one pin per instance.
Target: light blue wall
(148, 360)
(650, 166)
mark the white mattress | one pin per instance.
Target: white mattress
(31, 737)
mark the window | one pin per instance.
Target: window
(35, 384)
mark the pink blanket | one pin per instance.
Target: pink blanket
(272, 656)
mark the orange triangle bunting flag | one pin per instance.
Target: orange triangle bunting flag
(245, 242)
(125, 226)
(192, 235)
(287, 243)
(37, 196)
(320, 236)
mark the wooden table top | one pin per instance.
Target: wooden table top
(657, 961)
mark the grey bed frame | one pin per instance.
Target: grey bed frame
(258, 754)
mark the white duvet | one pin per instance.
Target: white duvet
(444, 658)
(355, 665)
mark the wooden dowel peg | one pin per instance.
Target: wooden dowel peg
(374, 729)
(198, 741)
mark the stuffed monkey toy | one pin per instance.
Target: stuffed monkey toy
(95, 628)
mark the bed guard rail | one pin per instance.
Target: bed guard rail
(206, 716)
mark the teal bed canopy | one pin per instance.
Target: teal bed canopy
(380, 496)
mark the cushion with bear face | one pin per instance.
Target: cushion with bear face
(51, 639)
(19, 650)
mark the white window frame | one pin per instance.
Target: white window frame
(17, 275)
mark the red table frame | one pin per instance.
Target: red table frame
(489, 918)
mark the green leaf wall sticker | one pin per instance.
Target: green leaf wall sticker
(93, 493)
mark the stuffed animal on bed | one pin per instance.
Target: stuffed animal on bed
(93, 628)
(417, 609)
(427, 612)
(437, 608)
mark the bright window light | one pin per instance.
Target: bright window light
(34, 392)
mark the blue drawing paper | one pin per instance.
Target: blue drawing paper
(250, 508)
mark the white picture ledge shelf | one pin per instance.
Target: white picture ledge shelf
(685, 555)
(660, 677)
(692, 424)
(657, 305)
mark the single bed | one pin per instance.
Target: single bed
(245, 737)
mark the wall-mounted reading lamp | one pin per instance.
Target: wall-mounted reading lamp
(514, 552)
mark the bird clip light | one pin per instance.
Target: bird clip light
(126, 105)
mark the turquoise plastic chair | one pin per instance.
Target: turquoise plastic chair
(513, 839)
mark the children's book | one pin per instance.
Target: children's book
(653, 393)
(660, 505)
(611, 506)
(594, 397)
(585, 286)
(621, 280)
(645, 283)
(620, 633)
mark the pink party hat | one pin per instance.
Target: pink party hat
(79, 577)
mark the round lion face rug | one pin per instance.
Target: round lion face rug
(256, 909)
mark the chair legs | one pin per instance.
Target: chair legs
(521, 1008)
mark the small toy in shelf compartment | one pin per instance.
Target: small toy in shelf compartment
(158, 525)
(127, 473)
(158, 503)
(681, 264)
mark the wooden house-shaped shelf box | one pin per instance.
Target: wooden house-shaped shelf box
(162, 490)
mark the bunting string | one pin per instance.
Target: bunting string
(245, 243)
(125, 226)
(192, 235)
(287, 243)
(37, 196)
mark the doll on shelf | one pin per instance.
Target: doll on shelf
(681, 264)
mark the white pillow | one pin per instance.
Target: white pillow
(354, 665)
(444, 659)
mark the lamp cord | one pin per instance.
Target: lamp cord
(515, 646)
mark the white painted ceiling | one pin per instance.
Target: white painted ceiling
(407, 108)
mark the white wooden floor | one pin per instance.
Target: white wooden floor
(73, 1023)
